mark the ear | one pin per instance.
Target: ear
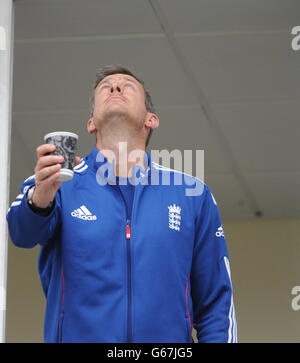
(152, 121)
(91, 126)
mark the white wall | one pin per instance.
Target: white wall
(265, 266)
(6, 20)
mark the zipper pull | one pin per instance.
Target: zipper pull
(128, 229)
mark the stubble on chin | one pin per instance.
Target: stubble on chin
(118, 120)
(112, 116)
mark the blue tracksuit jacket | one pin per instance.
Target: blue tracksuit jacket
(111, 277)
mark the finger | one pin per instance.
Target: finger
(44, 149)
(50, 180)
(46, 172)
(48, 160)
(77, 160)
(54, 179)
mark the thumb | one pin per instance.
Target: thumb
(77, 160)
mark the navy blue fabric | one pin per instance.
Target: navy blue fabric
(127, 190)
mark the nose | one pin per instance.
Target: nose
(115, 88)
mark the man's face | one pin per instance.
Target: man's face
(119, 97)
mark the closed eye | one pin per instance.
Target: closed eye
(103, 87)
(130, 85)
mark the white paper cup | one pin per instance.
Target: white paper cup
(66, 144)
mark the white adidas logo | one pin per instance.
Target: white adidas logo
(83, 213)
(220, 232)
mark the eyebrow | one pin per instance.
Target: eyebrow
(123, 78)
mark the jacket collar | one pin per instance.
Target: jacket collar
(105, 171)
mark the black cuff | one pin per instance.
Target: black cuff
(43, 212)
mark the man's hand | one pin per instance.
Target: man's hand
(46, 175)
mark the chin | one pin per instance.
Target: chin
(119, 115)
(116, 113)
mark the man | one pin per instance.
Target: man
(124, 257)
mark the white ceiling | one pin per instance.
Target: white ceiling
(222, 75)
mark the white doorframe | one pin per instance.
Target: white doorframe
(6, 69)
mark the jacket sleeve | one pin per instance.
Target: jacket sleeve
(26, 228)
(211, 288)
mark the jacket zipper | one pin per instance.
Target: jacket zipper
(128, 238)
